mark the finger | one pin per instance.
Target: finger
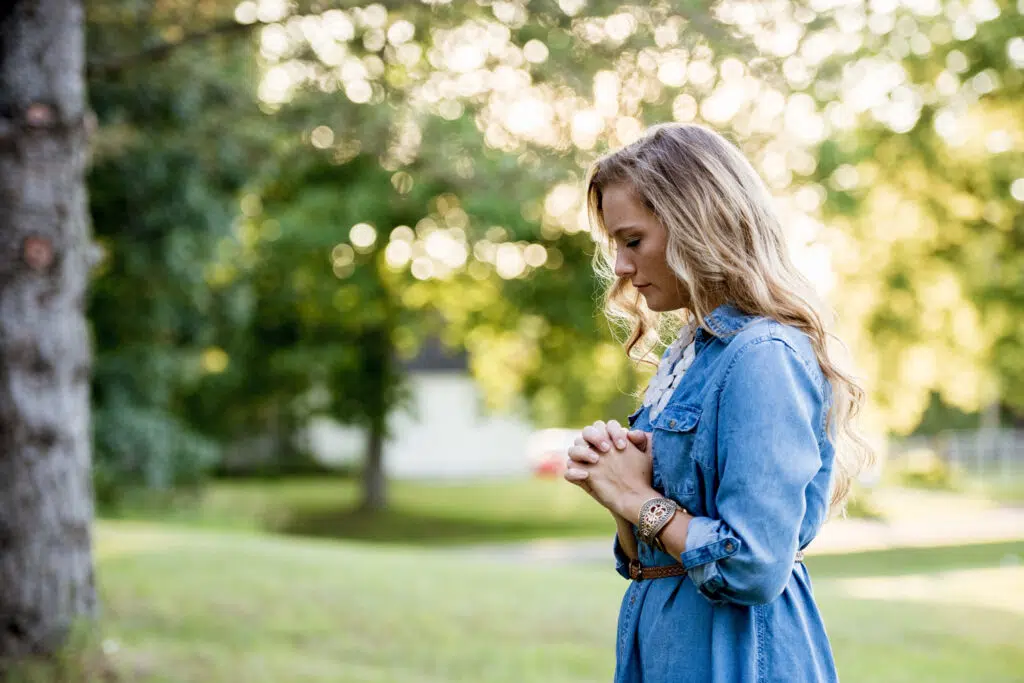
(580, 441)
(583, 454)
(600, 432)
(617, 434)
(638, 437)
(597, 438)
(584, 485)
(575, 474)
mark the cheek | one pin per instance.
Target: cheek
(656, 261)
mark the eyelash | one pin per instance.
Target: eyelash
(632, 243)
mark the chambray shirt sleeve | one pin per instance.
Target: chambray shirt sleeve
(768, 454)
(621, 558)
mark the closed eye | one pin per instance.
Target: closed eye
(633, 243)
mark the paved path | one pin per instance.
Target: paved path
(912, 519)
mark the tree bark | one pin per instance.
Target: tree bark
(381, 360)
(374, 481)
(46, 509)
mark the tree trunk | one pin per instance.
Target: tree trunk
(374, 481)
(46, 509)
(381, 360)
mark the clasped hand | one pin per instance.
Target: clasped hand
(611, 464)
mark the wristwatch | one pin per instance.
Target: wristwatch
(655, 514)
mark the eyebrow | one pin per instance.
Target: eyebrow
(623, 228)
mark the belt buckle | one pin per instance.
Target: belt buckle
(636, 570)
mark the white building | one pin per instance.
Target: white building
(445, 432)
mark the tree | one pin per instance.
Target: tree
(161, 201)
(411, 96)
(921, 181)
(324, 248)
(518, 290)
(149, 196)
(501, 106)
(46, 567)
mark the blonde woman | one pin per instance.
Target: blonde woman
(744, 438)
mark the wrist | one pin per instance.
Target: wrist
(630, 504)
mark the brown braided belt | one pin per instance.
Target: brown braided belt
(638, 572)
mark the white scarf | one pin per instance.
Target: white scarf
(673, 365)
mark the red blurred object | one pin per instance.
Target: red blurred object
(548, 449)
(552, 465)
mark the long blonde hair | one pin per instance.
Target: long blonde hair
(725, 244)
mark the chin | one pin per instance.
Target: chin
(653, 304)
(657, 304)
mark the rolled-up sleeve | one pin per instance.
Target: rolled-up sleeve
(770, 408)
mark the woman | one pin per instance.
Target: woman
(745, 433)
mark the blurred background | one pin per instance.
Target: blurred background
(345, 322)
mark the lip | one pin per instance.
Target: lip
(641, 286)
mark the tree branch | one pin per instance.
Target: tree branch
(159, 51)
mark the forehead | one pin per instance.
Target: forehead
(620, 207)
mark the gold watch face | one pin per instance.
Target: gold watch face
(653, 516)
(656, 512)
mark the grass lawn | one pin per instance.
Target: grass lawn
(187, 605)
(1008, 490)
(418, 513)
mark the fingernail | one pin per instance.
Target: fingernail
(604, 446)
(620, 443)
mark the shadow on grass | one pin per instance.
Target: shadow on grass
(419, 528)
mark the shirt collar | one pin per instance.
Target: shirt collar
(725, 320)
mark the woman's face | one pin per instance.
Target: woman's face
(640, 244)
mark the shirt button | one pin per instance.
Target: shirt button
(729, 546)
(671, 423)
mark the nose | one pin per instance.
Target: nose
(623, 266)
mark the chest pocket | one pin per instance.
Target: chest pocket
(677, 471)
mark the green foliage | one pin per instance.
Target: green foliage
(162, 196)
(234, 301)
(923, 468)
(928, 231)
(939, 416)
(146, 449)
(861, 506)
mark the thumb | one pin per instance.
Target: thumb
(638, 437)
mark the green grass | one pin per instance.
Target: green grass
(900, 561)
(418, 513)
(197, 606)
(1008, 490)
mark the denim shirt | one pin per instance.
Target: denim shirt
(742, 445)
